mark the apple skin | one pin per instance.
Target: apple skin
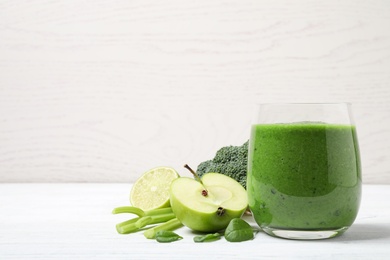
(203, 213)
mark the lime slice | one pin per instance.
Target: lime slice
(151, 190)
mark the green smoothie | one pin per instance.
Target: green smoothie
(304, 176)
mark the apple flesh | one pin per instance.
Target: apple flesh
(208, 207)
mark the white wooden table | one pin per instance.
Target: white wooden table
(74, 221)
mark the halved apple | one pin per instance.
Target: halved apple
(209, 205)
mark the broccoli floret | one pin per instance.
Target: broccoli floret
(230, 160)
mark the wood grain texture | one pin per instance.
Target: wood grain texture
(74, 221)
(97, 91)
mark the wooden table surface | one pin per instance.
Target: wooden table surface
(74, 221)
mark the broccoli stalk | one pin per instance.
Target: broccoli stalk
(229, 160)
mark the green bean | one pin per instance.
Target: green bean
(129, 209)
(169, 225)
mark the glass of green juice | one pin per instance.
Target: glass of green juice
(304, 172)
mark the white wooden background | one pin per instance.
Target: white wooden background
(100, 91)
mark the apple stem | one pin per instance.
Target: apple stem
(193, 172)
(204, 192)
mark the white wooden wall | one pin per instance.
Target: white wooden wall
(101, 91)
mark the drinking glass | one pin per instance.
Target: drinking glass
(304, 172)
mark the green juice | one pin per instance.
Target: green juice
(304, 176)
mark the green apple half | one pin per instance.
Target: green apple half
(225, 199)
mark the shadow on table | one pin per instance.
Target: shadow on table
(361, 232)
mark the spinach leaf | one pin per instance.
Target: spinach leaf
(165, 236)
(238, 230)
(207, 238)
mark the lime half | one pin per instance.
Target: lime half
(151, 190)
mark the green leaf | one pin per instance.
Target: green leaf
(207, 238)
(166, 236)
(238, 230)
